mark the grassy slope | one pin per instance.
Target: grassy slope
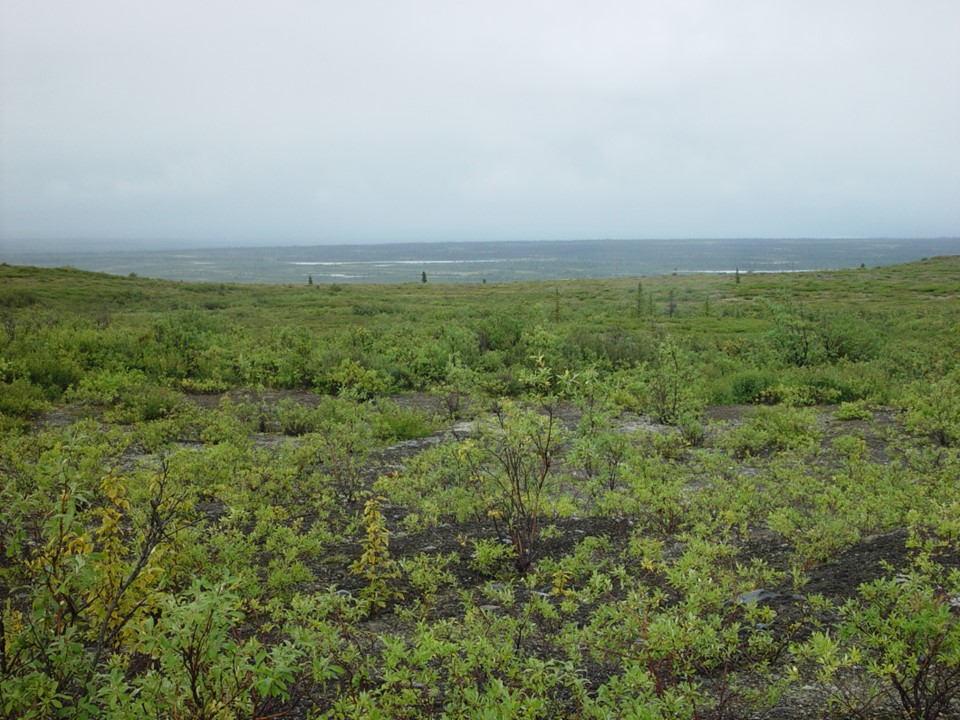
(908, 315)
(238, 496)
(918, 288)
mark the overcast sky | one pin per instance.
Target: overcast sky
(133, 123)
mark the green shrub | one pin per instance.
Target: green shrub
(204, 386)
(375, 564)
(353, 380)
(808, 386)
(794, 337)
(108, 387)
(654, 495)
(750, 386)
(14, 297)
(296, 418)
(127, 396)
(934, 408)
(825, 387)
(853, 411)
(781, 427)
(657, 651)
(673, 384)
(898, 642)
(393, 422)
(200, 660)
(20, 398)
(845, 336)
(53, 372)
(341, 450)
(458, 384)
(510, 462)
(490, 556)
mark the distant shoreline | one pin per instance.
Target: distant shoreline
(501, 261)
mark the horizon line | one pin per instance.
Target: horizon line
(149, 245)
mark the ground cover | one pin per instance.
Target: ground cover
(667, 497)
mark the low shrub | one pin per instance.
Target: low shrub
(853, 411)
(20, 398)
(750, 386)
(781, 427)
(933, 408)
(805, 386)
(295, 418)
(127, 396)
(54, 373)
(395, 423)
(898, 643)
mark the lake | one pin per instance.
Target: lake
(496, 261)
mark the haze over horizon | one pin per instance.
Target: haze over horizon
(179, 125)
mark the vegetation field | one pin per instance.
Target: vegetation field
(700, 497)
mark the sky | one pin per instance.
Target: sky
(202, 123)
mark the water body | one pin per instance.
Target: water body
(496, 261)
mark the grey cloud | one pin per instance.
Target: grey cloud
(226, 122)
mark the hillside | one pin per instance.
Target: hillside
(677, 496)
